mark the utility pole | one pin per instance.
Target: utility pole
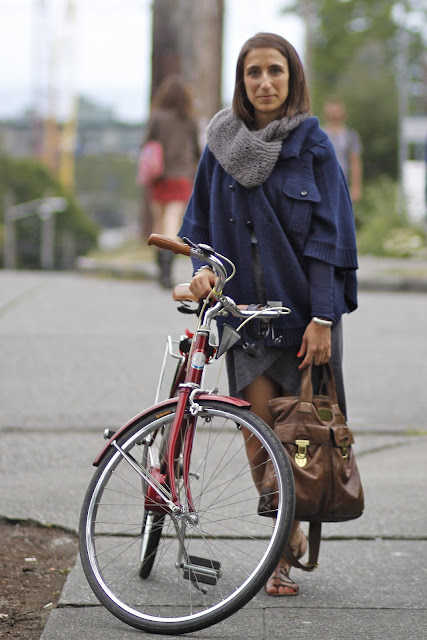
(55, 104)
(39, 73)
(68, 136)
(402, 89)
(308, 14)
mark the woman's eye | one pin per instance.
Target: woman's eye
(253, 72)
(276, 70)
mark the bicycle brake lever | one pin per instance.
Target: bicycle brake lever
(189, 242)
(204, 249)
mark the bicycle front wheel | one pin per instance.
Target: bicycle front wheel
(197, 571)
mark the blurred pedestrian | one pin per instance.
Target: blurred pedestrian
(347, 145)
(173, 124)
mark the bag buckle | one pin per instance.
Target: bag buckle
(301, 454)
(344, 447)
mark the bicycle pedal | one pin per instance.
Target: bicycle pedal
(202, 570)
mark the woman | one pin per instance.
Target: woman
(173, 125)
(270, 195)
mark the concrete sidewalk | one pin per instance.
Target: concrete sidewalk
(370, 582)
(72, 365)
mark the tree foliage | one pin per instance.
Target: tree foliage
(25, 180)
(355, 47)
(107, 184)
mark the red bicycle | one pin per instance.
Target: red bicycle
(171, 539)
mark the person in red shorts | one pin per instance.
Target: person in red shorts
(172, 123)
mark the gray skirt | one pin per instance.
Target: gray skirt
(281, 365)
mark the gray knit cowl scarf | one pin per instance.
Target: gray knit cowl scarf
(248, 156)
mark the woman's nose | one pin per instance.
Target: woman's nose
(265, 80)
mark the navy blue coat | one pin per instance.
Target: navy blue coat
(302, 210)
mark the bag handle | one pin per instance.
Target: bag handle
(314, 536)
(306, 392)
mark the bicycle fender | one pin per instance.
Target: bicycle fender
(163, 409)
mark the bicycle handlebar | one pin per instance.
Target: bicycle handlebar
(207, 254)
(163, 242)
(202, 252)
(182, 293)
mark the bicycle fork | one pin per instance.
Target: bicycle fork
(186, 392)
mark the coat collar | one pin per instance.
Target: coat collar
(307, 135)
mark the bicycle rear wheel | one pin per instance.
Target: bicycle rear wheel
(200, 571)
(150, 537)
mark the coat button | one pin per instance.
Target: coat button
(232, 187)
(232, 220)
(304, 192)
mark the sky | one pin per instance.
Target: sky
(110, 45)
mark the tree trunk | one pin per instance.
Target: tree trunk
(187, 39)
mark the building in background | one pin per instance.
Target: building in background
(98, 131)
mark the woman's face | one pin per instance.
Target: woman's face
(266, 80)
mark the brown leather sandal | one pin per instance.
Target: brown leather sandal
(279, 579)
(281, 582)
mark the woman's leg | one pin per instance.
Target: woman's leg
(163, 257)
(167, 221)
(157, 209)
(279, 583)
(258, 393)
(172, 217)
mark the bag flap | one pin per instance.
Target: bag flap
(291, 431)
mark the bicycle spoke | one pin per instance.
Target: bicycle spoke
(186, 573)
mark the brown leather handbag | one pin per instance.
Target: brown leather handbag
(318, 442)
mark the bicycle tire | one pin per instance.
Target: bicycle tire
(230, 542)
(152, 522)
(150, 537)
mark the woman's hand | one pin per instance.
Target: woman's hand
(202, 283)
(315, 345)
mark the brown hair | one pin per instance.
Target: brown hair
(298, 99)
(174, 93)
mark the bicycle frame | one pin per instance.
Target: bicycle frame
(188, 391)
(191, 384)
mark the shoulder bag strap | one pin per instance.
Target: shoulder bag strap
(314, 534)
